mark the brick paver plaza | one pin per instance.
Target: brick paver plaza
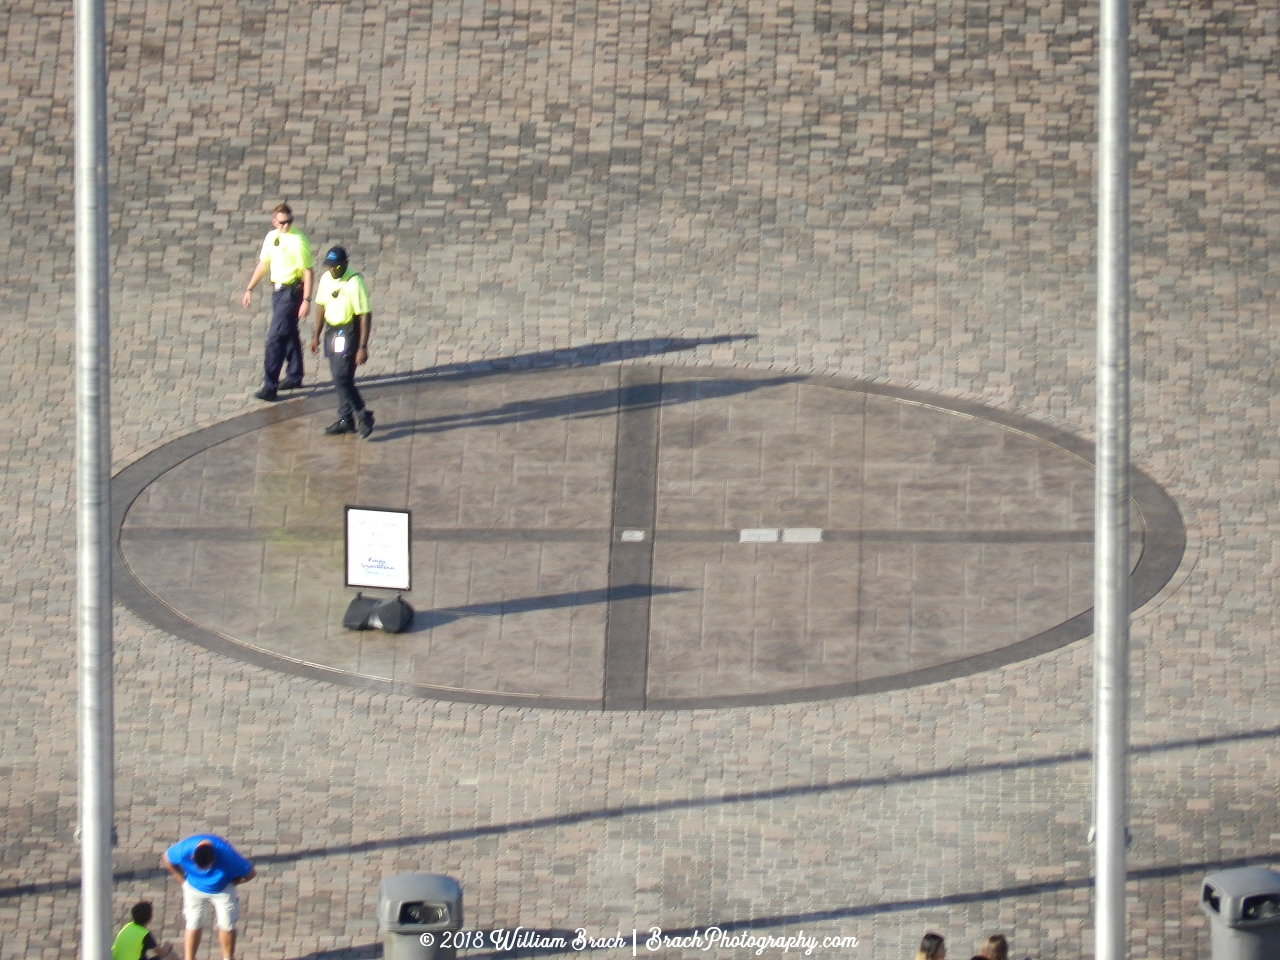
(735, 363)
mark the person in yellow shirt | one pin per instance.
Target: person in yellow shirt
(344, 320)
(135, 942)
(286, 257)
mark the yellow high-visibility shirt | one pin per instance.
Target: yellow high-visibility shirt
(132, 942)
(288, 254)
(342, 299)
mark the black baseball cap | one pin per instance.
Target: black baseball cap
(335, 256)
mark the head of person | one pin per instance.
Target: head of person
(141, 913)
(203, 855)
(996, 948)
(932, 947)
(335, 261)
(282, 217)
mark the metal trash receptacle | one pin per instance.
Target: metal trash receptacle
(1243, 907)
(413, 904)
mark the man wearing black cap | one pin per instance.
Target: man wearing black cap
(344, 320)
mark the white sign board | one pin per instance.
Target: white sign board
(378, 548)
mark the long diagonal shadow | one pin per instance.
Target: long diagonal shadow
(587, 355)
(578, 406)
(429, 619)
(557, 941)
(640, 809)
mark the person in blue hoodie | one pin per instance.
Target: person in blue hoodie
(209, 869)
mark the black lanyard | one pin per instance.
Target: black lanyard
(338, 290)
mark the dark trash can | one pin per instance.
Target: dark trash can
(1243, 907)
(415, 910)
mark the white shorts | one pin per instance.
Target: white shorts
(196, 906)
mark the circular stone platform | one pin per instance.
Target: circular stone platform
(801, 537)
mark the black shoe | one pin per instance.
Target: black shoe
(266, 394)
(340, 426)
(364, 423)
(290, 384)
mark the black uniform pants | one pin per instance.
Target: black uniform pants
(342, 367)
(284, 346)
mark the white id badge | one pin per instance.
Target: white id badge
(340, 343)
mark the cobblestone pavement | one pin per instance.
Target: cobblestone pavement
(777, 539)
(889, 192)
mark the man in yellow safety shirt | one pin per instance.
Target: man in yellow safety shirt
(344, 320)
(135, 942)
(286, 255)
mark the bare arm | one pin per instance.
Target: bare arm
(177, 874)
(305, 307)
(315, 337)
(259, 272)
(253, 872)
(366, 326)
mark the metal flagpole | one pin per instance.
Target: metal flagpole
(93, 479)
(1111, 493)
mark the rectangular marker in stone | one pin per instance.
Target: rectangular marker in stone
(802, 535)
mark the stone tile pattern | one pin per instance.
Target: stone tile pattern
(245, 538)
(750, 618)
(898, 192)
(494, 456)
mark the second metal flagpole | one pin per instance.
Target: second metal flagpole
(93, 479)
(1111, 495)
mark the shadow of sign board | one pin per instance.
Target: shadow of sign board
(635, 536)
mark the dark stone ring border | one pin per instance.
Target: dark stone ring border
(1164, 544)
